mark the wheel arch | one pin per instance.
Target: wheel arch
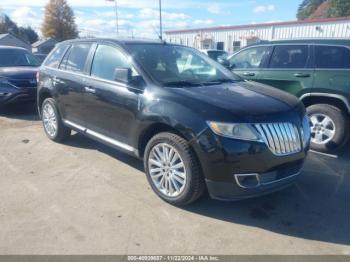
(338, 101)
(45, 93)
(153, 130)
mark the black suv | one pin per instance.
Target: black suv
(196, 125)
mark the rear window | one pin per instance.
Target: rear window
(332, 57)
(293, 56)
(77, 56)
(54, 59)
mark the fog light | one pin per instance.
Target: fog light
(247, 180)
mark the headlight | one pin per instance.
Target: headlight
(306, 131)
(237, 131)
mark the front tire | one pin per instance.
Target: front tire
(52, 122)
(329, 127)
(173, 170)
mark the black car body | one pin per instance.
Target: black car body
(133, 108)
(18, 69)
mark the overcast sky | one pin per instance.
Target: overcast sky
(140, 17)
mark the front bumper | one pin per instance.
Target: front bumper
(235, 169)
(253, 185)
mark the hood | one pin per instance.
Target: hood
(19, 72)
(246, 101)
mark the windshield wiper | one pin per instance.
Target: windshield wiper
(220, 81)
(181, 83)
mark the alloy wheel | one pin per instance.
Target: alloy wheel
(167, 170)
(49, 120)
(322, 128)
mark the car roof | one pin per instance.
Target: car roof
(120, 41)
(321, 41)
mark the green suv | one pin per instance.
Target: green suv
(317, 71)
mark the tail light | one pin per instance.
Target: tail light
(37, 77)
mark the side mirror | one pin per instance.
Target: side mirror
(123, 75)
(232, 66)
(224, 62)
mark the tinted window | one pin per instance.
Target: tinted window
(17, 57)
(106, 60)
(249, 58)
(77, 57)
(332, 57)
(55, 58)
(294, 56)
(65, 59)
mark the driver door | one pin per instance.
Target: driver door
(110, 107)
(247, 63)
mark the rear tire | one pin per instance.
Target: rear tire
(173, 170)
(329, 127)
(52, 122)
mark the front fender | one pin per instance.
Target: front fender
(181, 118)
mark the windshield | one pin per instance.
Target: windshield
(17, 57)
(169, 64)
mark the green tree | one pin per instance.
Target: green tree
(27, 34)
(59, 21)
(308, 7)
(7, 25)
(339, 8)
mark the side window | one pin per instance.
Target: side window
(55, 58)
(106, 60)
(64, 60)
(249, 58)
(293, 56)
(332, 57)
(77, 57)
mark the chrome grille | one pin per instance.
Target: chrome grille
(281, 138)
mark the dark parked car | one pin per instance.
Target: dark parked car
(316, 71)
(18, 69)
(195, 124)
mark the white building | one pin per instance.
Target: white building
(232, 38)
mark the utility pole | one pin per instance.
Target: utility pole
(116, 16)
(160, 21)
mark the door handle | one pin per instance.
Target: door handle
(90, 90)
(248, 74)
(55, 80)
(302, 75)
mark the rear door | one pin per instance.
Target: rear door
(332, 69)
(289, 68)
(69, 82)
(247, 63)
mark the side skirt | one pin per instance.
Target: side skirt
(102, 138)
